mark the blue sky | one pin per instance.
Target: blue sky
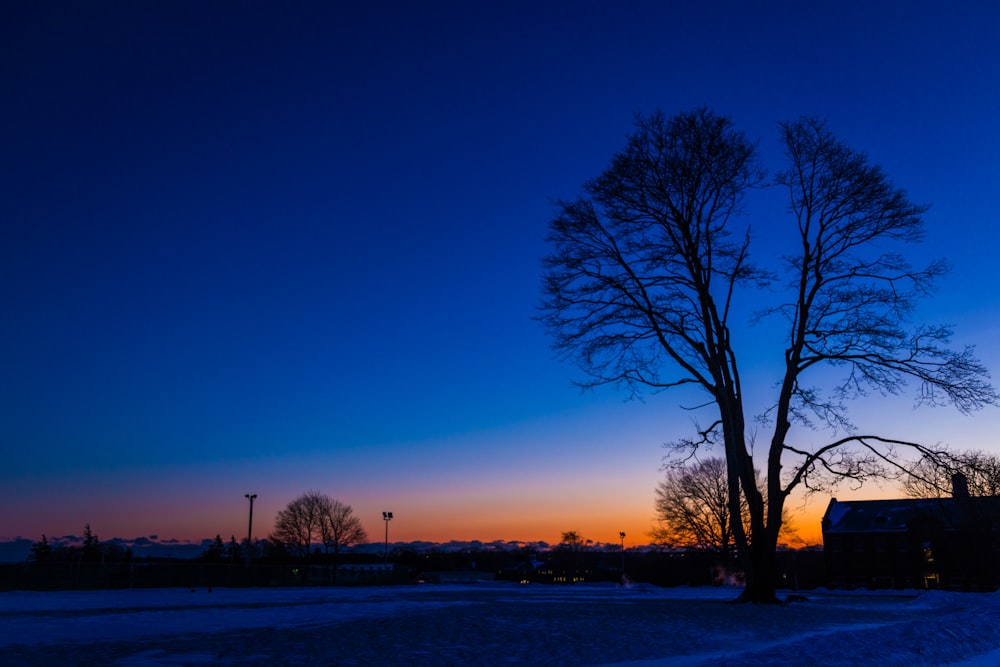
(251, 248)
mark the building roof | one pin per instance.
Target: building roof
(897, 516)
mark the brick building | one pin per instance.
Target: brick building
(914, 543)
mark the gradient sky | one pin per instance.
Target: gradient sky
(251, 248)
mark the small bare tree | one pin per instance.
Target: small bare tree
(300, 525)
(692, 509)
(339, 528)
(315, 519)
(571, 541)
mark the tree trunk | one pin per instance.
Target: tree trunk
(761, 575)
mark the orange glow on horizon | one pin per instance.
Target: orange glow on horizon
(413, 523)
(537, 507)
(807, 532)
(601, 527)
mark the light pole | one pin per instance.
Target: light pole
(387, 517)
(621, 534)
(251, 497)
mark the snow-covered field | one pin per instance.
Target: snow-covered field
(495, 624)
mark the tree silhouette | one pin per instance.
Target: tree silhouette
(299, 525)
(91, 549)
(692, 509)
(932, 475)
(216, 551)
(339, 528)
(571, 541)
(315, 519)
(41, 551)
(647, 269)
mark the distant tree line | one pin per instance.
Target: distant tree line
(220, 552)
(91, 550)
(311, 524)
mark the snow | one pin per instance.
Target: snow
(494, 623)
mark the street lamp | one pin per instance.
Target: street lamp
(251, 497)
(621, 534)
(387, 517)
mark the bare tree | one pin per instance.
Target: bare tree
(571, 541)
(692, 508)
(932, 476)
(339, 528)
(645, 271)
(315, 519)
(300, 524)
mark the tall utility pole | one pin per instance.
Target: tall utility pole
(621, 534)
(251, 497)
(387, 517)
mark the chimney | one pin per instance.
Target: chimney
(959, 486)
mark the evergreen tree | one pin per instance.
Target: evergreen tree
(216, 551)
(41, 551)
(91, 545)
